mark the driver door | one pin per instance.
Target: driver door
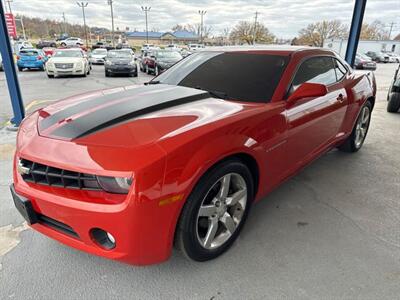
(313, 123)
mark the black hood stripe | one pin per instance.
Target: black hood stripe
(93, 102)
(143, 104)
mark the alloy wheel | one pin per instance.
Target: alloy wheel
(362, 126)
(221, 211)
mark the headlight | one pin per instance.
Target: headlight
(132, 63)
(79, 65)
(108, 63)
(117, 185)
(50, 65)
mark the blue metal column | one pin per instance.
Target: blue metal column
(355, 30)
(11, 73)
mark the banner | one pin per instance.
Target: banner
(11, 26)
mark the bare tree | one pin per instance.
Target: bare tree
(243, 32)
(225, 32)
(374, 31)
(194, 28)
(315, 34)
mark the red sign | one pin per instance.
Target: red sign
(11, 26)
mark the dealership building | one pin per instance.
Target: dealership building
(340, 45)
(179, 37)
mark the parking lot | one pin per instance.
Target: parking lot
(37, 88)
(330, 232)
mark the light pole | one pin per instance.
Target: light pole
(110, 2)
(83, 5)
(9, 5)
(255, 27)
(146, 10)
(65, 23)
(202, 13)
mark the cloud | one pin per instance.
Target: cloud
(283, 17)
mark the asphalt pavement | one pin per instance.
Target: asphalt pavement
(331, 232)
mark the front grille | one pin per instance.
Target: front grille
(46, 175)
(64, 66)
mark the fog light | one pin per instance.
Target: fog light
(103, 238)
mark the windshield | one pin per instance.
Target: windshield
(28, 53)
(119, 54)
(167, 55)
(99, 51)
(364, 57)
(240, 76)
(67, 53)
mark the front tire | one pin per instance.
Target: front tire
(215, 211)
(357, 137)
(393, 105)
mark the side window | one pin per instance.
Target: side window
(339, 69)
(315, 70)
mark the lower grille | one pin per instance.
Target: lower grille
(46, 175)
(64, 228)
(64, 66)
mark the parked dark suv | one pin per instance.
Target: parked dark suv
(393, 96)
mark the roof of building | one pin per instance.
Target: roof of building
(179, 34)
(184, 34)
(151, 34)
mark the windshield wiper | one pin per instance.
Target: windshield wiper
(152, 82)
(216, 94)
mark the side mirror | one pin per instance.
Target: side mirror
(307, 90)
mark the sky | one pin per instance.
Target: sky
(283, 17)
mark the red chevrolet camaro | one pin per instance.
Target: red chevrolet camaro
(126, 173)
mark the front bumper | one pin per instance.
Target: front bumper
(94, 61)
(124, 69)
(70, 216)
(66, 72)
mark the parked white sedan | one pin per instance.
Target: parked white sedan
(68, 62)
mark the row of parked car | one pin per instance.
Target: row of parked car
(368, 60)
(75, 61)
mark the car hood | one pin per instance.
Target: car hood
(65, 59)
(133, 116)
(120, 60)
(99, 55)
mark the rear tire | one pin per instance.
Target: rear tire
(107, 74)
(50, 76)
(20, 69)
(357, 137)
(393, 105)
(215, 211)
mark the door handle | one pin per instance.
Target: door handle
(340, 98)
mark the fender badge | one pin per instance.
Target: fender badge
(22, 170)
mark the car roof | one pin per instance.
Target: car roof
(282, 49)
(69, 49)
